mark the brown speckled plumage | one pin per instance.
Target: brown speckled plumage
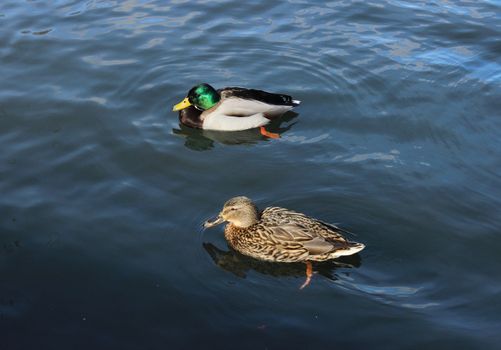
(282, 235)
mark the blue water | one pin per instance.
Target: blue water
(103, 193)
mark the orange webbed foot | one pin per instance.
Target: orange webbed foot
(309, 273)
(266, 133)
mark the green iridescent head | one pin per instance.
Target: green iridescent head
(202, 96)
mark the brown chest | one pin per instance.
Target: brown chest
(237, 237)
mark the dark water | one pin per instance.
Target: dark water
(103, 194)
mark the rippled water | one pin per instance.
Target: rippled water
(103, 193)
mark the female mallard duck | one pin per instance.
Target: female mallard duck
(231, 108)
(281, 235)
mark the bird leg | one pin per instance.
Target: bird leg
(309, 273)
(266, 133)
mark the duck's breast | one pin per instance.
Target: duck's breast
(217, 121)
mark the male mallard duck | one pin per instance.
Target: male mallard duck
(231, 108)
(281, 235)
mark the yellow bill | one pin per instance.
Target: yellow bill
(182, 105)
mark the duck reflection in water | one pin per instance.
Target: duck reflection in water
(201, 140)
(239, 264)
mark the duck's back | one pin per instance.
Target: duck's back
(300, 224)
(258, 95)
(287, 236)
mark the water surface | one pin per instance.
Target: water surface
(103, 193)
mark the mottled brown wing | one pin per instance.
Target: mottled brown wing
(276, 216)
(290, 228)
(298, 235)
